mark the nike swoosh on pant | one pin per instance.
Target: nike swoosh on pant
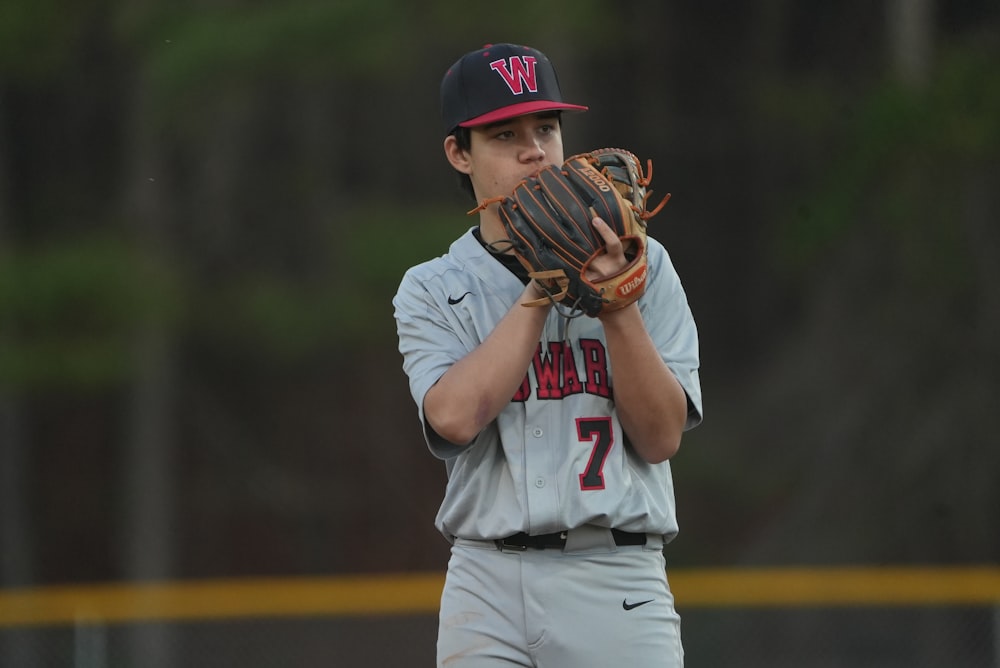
(631, 606)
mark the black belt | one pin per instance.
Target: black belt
(522, 541)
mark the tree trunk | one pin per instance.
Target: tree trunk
(910, 39)
(147, 532)
(16, 547)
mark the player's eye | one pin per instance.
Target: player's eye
(548, 128)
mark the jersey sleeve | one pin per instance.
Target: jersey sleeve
(429, 344)
(670, 322)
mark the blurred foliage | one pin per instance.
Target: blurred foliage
(898, 163)
(287, 319)
(197, 48)
(69, 311)
(280, 166)
(527, 22)
(417, 234)
(305, 39)
(39, 38)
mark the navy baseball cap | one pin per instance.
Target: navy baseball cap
(498, 82)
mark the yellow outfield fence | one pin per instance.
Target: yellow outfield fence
(413, 594)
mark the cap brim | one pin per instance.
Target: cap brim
(520, 109)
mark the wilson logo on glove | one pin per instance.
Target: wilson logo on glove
(637, 281)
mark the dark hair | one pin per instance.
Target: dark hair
(463, 137)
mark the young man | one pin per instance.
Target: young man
(555, 433)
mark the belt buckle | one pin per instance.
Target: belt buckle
(504, 547)
(513, 547)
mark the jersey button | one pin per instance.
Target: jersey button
(539, 482)
(537, 432)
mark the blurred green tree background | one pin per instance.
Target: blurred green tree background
(205, 209)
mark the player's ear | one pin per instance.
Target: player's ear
(457, 156)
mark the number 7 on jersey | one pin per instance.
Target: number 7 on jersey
(597, 430)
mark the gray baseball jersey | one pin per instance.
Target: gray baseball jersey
(556, 457)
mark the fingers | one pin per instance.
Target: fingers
(611, 241)
(613, 259)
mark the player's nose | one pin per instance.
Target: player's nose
(533, 151)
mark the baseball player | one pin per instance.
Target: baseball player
(555, 432)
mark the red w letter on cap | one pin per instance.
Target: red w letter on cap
(518, 72)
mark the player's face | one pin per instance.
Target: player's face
(503, 154)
